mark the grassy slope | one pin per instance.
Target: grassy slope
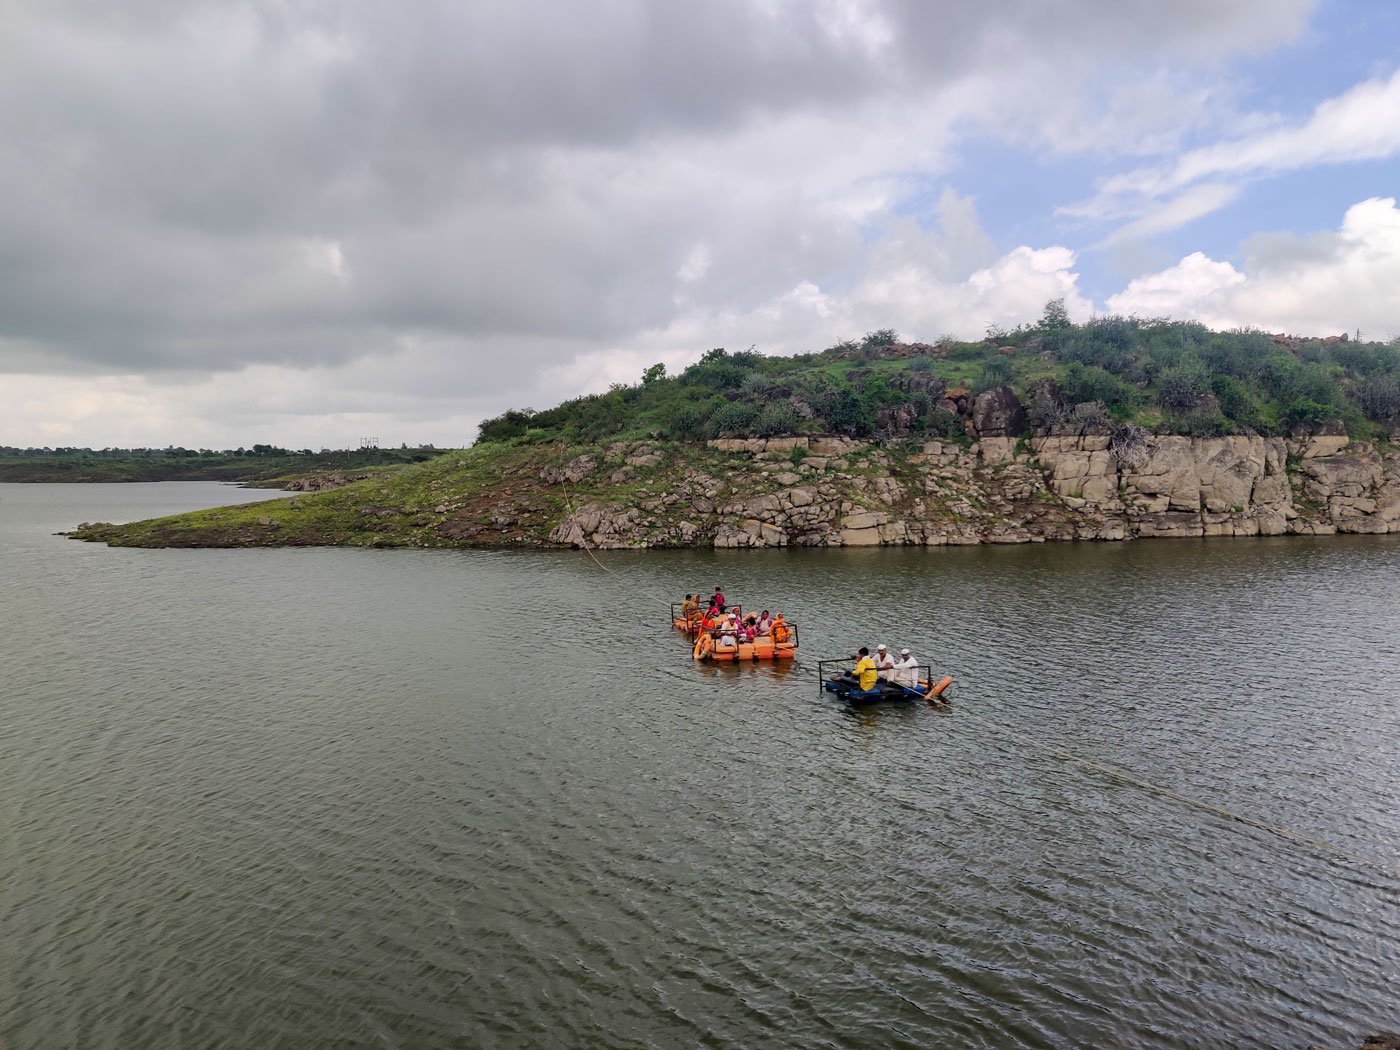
(457, 479)
(491, 495)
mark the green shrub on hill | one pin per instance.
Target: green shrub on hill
(1156, 373)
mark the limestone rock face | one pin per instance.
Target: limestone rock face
(758, 446)
(995, 450)
(866, 537)
(1318, 445)
(1346, 476)
(1169, 475)
(863, 520)
(1228, 470)
(834, 446)
(750, 533)
(1062, 485)
(603, 526)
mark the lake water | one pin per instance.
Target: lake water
(333, 798)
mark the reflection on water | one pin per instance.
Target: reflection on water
(319, 798)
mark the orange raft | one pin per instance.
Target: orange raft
(780, 645)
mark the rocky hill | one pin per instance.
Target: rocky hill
(1116, 429)
(1062, 484)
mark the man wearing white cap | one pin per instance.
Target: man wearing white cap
(906, 672)
(884, 662)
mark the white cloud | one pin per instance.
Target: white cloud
(1320, 285)
(1187, 290)
(1362, 123)
(1186, 207)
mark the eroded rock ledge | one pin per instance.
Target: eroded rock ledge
(827, 492)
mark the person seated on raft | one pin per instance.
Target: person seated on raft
(884, 662)
(764, 626)
(728, 634)
(690, 608)
(781, 632)
(718, 600)
(865, 672)
(906, 672)
(750, 628)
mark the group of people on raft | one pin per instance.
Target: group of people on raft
(729, 627)
(693, 606)
(883, 667)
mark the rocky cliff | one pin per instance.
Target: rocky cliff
(1059, 486)
(828, 492)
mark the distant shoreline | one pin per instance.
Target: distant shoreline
(252, 470)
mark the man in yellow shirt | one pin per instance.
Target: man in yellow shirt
(865, 670)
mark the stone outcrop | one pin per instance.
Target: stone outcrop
(322, 482)
(998, 413)
(605, 526)
(571, 473)
(1003, 489)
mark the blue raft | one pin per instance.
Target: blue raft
(848, 689)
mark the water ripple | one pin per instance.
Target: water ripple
(334, 798)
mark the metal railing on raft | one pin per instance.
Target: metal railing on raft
(790, 640)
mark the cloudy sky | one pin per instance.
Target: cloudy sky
(307, 221)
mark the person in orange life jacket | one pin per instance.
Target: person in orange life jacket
(781, 631)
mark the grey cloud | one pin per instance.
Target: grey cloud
(519, 179)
